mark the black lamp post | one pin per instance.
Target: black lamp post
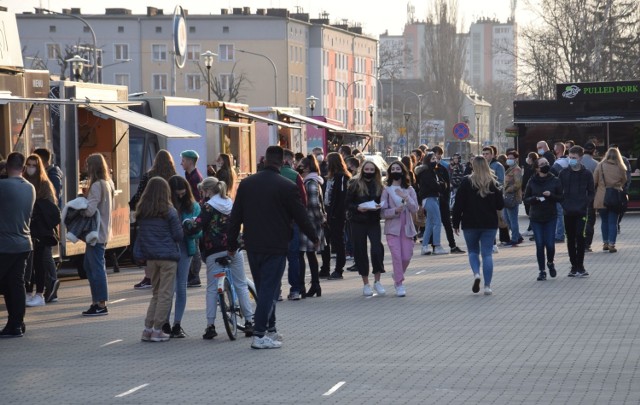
(77, 64)
(208, 62)
(407, 115)
(371, 108)
(311, 101)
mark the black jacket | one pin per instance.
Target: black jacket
(474, 211)
(354, 199)
(45, 219)
(337, 208)
(431, 183)
(543, 211)
(267, 204)
(577, 189)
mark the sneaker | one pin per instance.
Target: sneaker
(573, 272)
(457, 250)
(8, 332)
(588, 249)
(400, 291)
(352, 268)
(146, 335)
(177, 332)
(379, 288)
(582, 273)
(367, 291)
(349, 258)
(294, 296)
(158, 336)
(439, 250)
(275, 336)
(528, 233)
(36, 301)
(52, 292)
(265, 343)
(210, 332)
(552, 269)
(487, 290)
(605, 246)
(336, 276)
(166, 328)
(542, 276)
(248, 329)
(194, 283)
(495, 249)
(476, 283)
(144, 284)
(96, 310)
(612, 249)
(426, 250)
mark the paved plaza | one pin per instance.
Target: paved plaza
(562, 341)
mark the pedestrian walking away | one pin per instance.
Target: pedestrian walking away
(610, 173)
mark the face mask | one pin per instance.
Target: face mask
(573, 162)
(540, 152)
(368, 176)
(320, 158)
(433, 164)
(545, 169)
(396, 175)
(510, 162)
(31, 171)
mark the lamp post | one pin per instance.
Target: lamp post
(371, 108)
(419, 132)
(208, 62)
(407, 115)
(275, 70)
(346, 97)
(478, 132)
(93, 35)
(77, 65)
(311, 102)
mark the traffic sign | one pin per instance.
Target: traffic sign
(461, 130)
(402, 141)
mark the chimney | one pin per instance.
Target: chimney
(237, 11)
(261, 11)
(224, 11)
(152, 11)
(246, 10)
(75, 10)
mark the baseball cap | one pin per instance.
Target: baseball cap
(589, 147)
(192, 154)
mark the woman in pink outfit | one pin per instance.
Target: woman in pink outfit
(398, 202)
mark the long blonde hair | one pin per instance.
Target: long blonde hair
(358, 184)
(155, 201)
(218, 187)
(97, 168)
(613, 155)
(482, 177)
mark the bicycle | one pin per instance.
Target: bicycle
(228, 299)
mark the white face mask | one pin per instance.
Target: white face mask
(540, 151)
(31, 171)
(320, 158)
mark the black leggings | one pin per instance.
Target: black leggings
(312, 258)
(359, 234)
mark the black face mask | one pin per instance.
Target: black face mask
(396, 176)
(368, 176)
(544, 169)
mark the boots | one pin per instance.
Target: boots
(315, 289)
(542, 276)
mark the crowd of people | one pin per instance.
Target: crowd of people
(320, 207)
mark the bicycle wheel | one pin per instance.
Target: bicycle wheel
(228, 312)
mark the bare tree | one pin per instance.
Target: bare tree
(232, 89)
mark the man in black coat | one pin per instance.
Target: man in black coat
(267, 204)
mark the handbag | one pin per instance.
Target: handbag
(614, 199)
(510, 200)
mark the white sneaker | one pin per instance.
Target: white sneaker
(367, 291)
(487, 290)
(426, 250)
(265, 343)
(439, 250)
(400, 291)
(35, 301)
(495, 249)
(28, 298)
(275, 336)
(379, 288)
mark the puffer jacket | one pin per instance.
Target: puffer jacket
(158, 238)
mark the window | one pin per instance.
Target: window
(86, 29)
(120, 28)
(193, 52)
(193, 82)
(159, 82)
(121, 79)
(159, 52)
(192, 29)
(121, 51)
(52, 28)
(53, 50)
(225, 30)
(225, 52)
(226, 81)
(158, 30)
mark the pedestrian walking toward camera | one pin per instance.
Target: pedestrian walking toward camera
(399, 203)
(578, 191)
(100, 199)
(363, 210)
(445, 201)
(432, 185)
(512, 193)
(543, 192)
(478, 201)
(158, 244)
(17, 197)
(611, 172)
(267, 204)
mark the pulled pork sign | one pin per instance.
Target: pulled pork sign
(598, 91)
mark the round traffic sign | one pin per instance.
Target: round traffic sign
(461, 130)
(402, 141)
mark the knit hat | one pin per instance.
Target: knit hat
(191, 154)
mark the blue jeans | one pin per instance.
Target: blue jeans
(180, 285)
(293, 257)
(236, 268)
(94, 266)
(510, 216)
(267, 271)
(544, 235)
(559, 222)
(480, 243)
(434, 222)
(608, 226)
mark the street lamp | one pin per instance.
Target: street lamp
(419, 132)
(407, 115)
(311, 101)
(275, 70)
(208, 62)
(346, 97)
(478, 131)
(77, 65)
(371, 108)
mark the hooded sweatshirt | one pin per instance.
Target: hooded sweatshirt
(545, 210)
(578, 189)
(214, 223)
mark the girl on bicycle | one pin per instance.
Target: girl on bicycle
(213, 221)
(157, 243)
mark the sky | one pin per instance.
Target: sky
(374, 19)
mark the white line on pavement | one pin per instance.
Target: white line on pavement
(131, 391)
(116, 301)
(420, 272)
(334, 388)
(112, 342)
